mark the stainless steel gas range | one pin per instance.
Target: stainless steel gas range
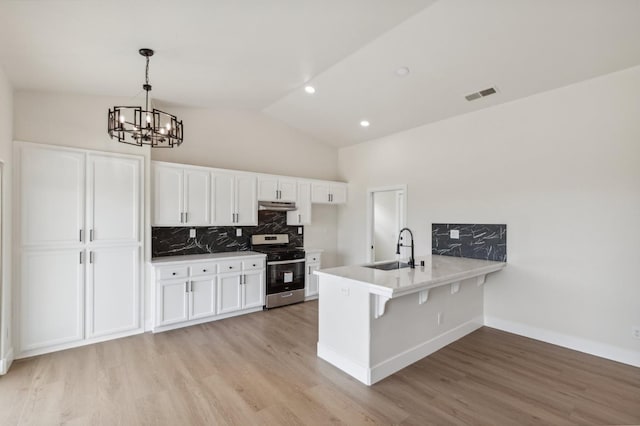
(285, 269)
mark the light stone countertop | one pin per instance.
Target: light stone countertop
(168, 260)
(438, 271)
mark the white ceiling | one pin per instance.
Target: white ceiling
(258, 54)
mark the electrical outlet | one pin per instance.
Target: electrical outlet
(238, 232)
(192, 233)
(454, 234)
(299, 230)
(440, 318)
(635, 330)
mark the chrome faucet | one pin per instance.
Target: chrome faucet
(412, 259)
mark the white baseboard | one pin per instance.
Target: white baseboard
(369, 376)
(408, 357)
(6, 362)
(357, 371)
(579, 344)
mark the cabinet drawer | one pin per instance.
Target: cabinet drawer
(173, 272)
(229, 266)
(313, 258)
(203, 269)
(252, 264)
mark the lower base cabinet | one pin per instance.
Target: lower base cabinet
(183, 294)
(312, 263)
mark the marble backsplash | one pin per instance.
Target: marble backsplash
(175, 241)
(485, 241)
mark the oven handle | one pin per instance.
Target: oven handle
(284, 262)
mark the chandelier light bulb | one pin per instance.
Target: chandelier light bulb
(168, 126)
(148, 118)
(122, 119)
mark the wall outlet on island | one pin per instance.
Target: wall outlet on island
(238, 232)
(299, 230)
(454, 234)
(440, 318)
(635, 330)
(192, 233)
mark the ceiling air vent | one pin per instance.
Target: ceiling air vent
(481, 94)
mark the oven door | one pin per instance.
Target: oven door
(285, 275)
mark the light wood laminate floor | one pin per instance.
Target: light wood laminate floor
(262, 369)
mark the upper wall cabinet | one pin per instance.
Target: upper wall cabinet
(274, 188)
(181, 196)
(302, 214)
(234, 199)
(328, 193)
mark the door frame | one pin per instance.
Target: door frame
(369, 251)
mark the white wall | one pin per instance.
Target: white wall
(6, 136)
(562, 170)
(244, 140)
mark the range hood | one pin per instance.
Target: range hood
(280, 206)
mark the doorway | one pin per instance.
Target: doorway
(386, 210)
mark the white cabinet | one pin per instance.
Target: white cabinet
(114, 200)
(172, 302)
(312, 263)
(79, 248)
(234, 200)
(328, 193)
(52, 207)
(113, 290)
(229, 292)
(302, 214)
(273, 188)
(51, 298)
(181, 196)
(191, 292)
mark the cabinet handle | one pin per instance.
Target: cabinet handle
(186, 287)
(329, 197)
(230, 267)
(309, 270)
(204, 270)
(181, 216)
(299, 218)
(81, 235)
(81, 258)
(173, 273)
(90, 234)
(190, 287)
(254, 265)
(186, 217)
(90, 257)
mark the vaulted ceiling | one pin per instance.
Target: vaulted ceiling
(259, 54)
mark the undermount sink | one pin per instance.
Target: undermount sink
(388, 266)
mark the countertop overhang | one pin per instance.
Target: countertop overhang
(437, 271)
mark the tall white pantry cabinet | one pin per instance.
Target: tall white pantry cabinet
(79, 243)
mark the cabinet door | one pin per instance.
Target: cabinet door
(338, 194)
(198, 193)
(288, 189)
(52, 196)
(253, 289)
(302, 214)
(229, 293)
(114, 199)
(267, 189)
(172, 302)
(202, 297)
(51, 298)
(246, 201)
(168, 195)
(223, 199)
(311, 282)
(320, 193)
(113, 290)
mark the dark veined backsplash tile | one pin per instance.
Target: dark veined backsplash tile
(477, 241)
(175, 241)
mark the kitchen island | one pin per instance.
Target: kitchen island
(373, 322)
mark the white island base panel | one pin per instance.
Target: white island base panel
(353, 336)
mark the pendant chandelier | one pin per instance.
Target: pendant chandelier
(136, 126)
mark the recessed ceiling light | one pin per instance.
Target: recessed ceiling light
(310, 89)
(364, 123)
(402, 72)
